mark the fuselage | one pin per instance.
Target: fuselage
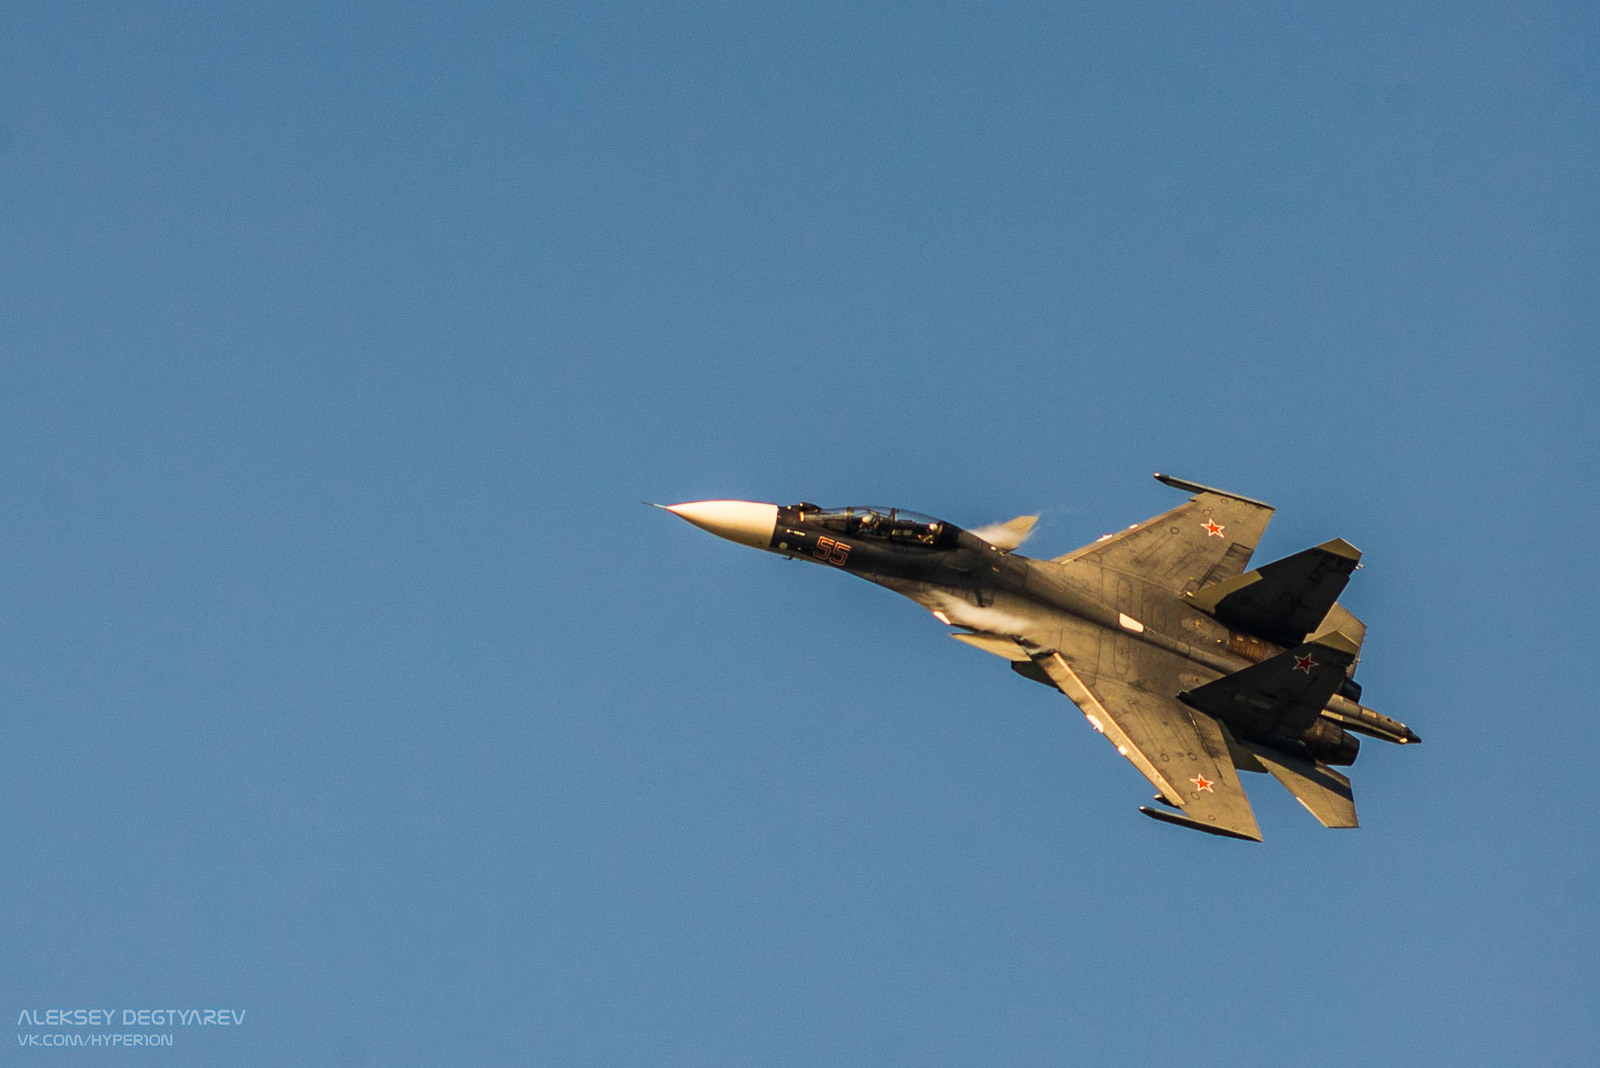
(962, 578)
(967, 582)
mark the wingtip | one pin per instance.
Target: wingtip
(1181, 819)
(1197, 488)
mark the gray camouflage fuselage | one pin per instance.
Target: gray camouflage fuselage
(1189, 665)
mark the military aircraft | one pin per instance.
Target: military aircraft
(1194, 668)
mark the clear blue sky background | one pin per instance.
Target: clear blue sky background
(344, 680)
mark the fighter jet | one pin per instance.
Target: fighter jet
(1192, 667)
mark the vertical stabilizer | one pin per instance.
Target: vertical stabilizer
(1340, 620)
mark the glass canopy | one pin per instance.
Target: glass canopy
(893, 524)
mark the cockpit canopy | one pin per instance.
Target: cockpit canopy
(891, 524)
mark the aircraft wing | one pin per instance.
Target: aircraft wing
(1206, 540)
(1182, 751)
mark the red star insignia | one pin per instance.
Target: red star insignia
(1213, 528)
(1304, 663)
(1203, 783)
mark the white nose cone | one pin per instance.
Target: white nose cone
(745, 522)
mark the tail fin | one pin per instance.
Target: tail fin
(1283, 694)
(1340, 620)
(1285, 600)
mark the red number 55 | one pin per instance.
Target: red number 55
(831, 552)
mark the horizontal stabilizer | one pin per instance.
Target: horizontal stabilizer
(1169, 816)
(1007, 535)
(1285, 600)
(1283, 694)
(1324, 792)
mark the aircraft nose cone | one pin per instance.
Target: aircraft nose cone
(747, 522)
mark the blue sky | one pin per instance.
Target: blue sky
(346, 682)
